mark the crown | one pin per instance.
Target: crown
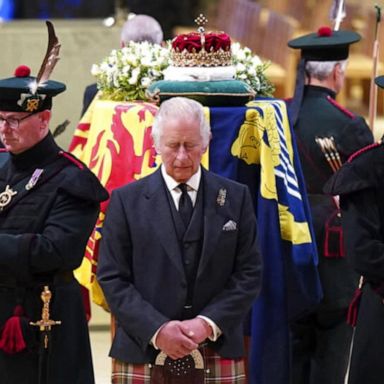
(200, 49)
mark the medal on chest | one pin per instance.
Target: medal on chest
(6, 196)
(34, 178)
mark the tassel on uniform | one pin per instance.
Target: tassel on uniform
(353, 308)
(12, 339)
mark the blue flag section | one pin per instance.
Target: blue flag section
(254, 145)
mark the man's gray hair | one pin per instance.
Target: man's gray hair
(180, 108)
(322, 69)
(141, 28)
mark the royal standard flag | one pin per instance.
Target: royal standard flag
(261, 153)
(114, 140)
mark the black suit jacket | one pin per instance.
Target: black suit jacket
(141, 272)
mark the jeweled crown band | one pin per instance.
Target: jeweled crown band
(201, 59)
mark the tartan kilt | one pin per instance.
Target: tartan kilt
(217, 370)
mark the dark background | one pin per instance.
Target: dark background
(169, 13)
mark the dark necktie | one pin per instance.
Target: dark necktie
(185, 204)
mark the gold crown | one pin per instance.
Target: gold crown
(200, 49)
(201, 59)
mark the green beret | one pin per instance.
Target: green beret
(19, 93)
(325, 45)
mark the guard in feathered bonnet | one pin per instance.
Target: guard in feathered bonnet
(326, 134)
(360, 186)
(49, 203)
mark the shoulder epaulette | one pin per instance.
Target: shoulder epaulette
(72, 159)
(340, 107)
(363, 150)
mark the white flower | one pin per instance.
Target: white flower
(251, 69)
(134, 76)
(240, 55)
(154, 73)
(256, 61)
(146, 61)
(127, 72)
(95, 70)
(145, 81)
(116, 82)
(240, 67)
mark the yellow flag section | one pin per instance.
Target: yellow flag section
(259, 142)
(114, 140)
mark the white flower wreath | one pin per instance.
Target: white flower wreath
(126, 73)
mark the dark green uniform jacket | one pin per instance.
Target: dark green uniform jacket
(321, 340)
(43, 234)
(321, 116)
(360, 184)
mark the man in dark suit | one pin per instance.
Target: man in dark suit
(322, 126)
(137, 28)
(179, 263)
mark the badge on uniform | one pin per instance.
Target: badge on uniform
(6, 197)
(34, 178)
(29, 102)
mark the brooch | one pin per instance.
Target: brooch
(222, 195)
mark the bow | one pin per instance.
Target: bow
(375, 57)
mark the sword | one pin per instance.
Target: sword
(45, 326)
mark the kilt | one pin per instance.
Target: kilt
(217, 370)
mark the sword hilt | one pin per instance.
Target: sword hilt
(45, 323)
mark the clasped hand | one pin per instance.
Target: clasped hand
(179, 338)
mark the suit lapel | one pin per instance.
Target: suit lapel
(214, 218)
(161, 220)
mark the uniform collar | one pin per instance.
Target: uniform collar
(315, 90)
(42, 153)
